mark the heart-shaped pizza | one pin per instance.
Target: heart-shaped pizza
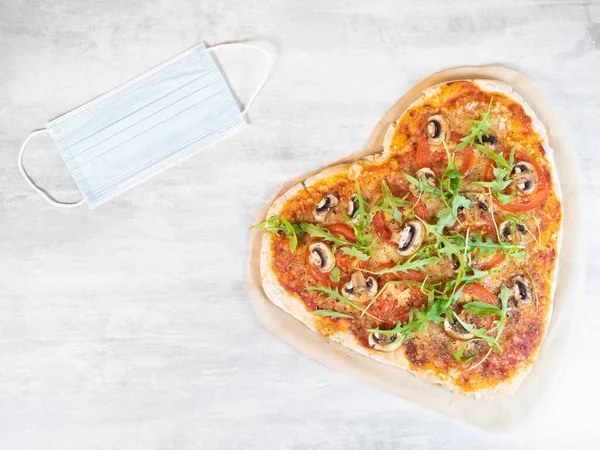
(438, 254)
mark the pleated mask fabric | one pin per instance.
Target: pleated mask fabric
(145, 126)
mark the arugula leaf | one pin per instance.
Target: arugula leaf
(335, 274)
(478, 129)
(278, 225)
(445, 219)
(361, 219)
(332, 313)
(496, 157)
(485, 309)
(445, 245)
(476, 275)
(461, 357)
(504, 296)
(502, 174)
(482, 309)
(481, 333)
(460, 201)
(356, 253)
(334, 294)
(518, 219)
(422, 186)
(324, 233)
(417, 320)
(434, 311)
(418, 264)
(485, 247)
(389, 203)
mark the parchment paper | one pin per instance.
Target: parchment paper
(539, 387)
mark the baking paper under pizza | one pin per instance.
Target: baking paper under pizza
(438, 254)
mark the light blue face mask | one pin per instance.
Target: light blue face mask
(145, 126)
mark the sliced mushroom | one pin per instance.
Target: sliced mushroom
(353, 206)
(437, 128)
(525, 177)
(521, 289)
(359, 288)
(410, 237)
(321, 256)
(383, 342)
(324, 207)
(508, 230)
(456, 330)
(428, 174)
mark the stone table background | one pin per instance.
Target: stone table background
(128, 327)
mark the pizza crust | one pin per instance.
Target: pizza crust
(295, 307)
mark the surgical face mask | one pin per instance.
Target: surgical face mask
(145, 126)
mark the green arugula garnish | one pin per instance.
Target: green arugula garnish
(389, 203)
(436, 310)
(356, 253)
(502, 174)
(335, 274)
(479, 128)
(361, 219)
(475, 275)
(461, 357)
(432, 312)
(486, 247)
(448, 190)
(518, 219)
(482, 309)
(278, 225)
(355, 249)
(480, 333)
(418, 264)
(503, 296)
(334, 294)
(422, 186)
(490, 337)
(332, 313)
(446, 245)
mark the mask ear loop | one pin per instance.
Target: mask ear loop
(268, 71)
(31, 183)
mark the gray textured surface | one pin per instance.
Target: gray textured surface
(128, 327)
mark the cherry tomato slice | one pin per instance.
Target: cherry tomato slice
(480, 292)
(341, 229)
(485, 224)
(496, 259)
(381, 228)
(437, 161)
(467, 160)
(410, 275)
(386, 308)
(379, 220)
(420, 208)
(391, 310)
(523, 202)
